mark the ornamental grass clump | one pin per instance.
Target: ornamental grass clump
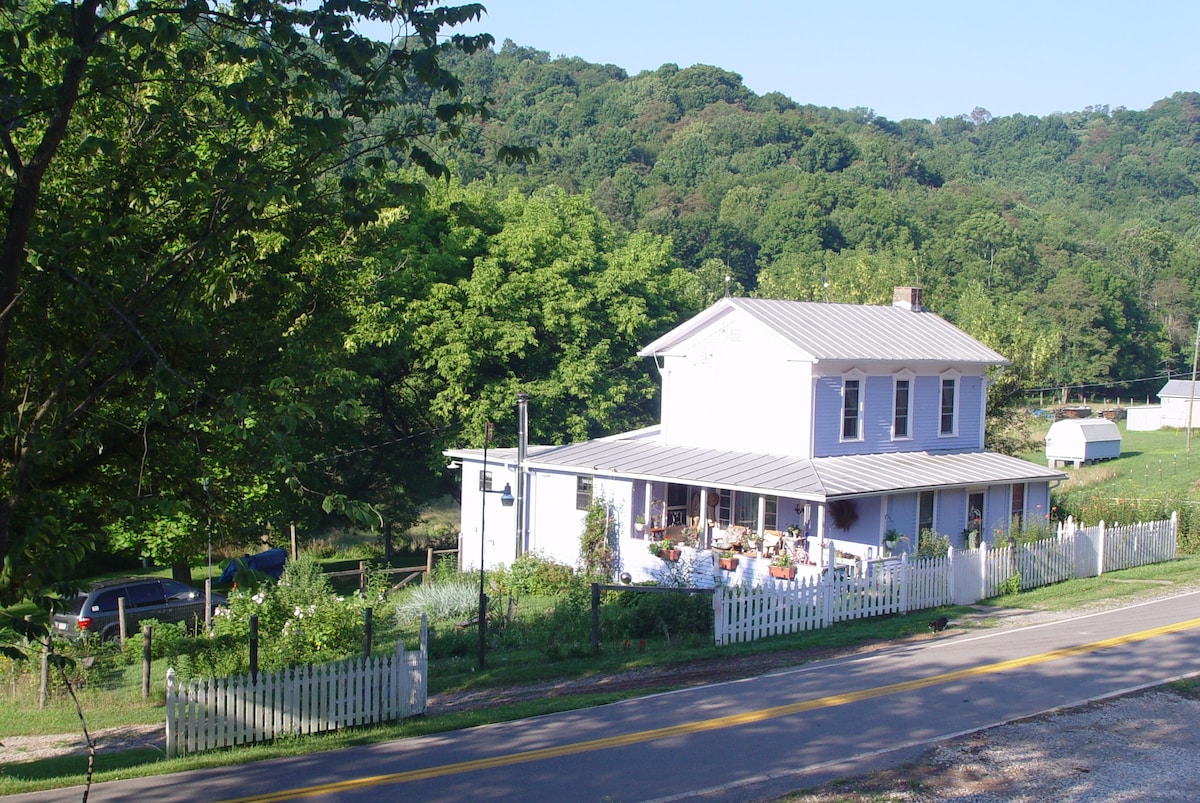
(453, 598)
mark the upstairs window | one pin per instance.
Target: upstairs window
(583, 492)
(851, 409)
(949, 407)
(902, 407)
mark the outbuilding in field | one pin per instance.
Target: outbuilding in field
(1180, 402)
(1079, 441)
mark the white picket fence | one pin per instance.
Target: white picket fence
(220, 712)
(1136, 544)
(776, 607)
(746, 613)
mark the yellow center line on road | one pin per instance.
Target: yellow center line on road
(729, 721)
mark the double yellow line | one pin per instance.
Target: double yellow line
(729, 721)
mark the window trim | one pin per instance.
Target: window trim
(909, 378)
(1016, 517)
(860, 380)
(585, 490)
(952, 377)
(932, 511)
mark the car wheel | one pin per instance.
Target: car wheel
(110, 634)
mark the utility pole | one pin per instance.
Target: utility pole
(1192, 394)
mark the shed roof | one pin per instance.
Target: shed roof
(1086, 429)
(1179, 388)
(845, 332)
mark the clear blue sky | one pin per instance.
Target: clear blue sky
(921, 58)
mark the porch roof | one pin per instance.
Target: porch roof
(818, 479)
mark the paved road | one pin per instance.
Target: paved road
(742, 740)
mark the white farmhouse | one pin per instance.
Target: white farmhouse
(788, 426)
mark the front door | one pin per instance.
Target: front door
(974, 524)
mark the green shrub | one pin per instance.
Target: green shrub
(536, 573)
(166, 640)
(596, 554)
(448, 641)
(1010, 586)
(300, 620)
(444, 568)
(558, 630)
(630, 615)
(932, 545)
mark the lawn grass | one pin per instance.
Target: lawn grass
(1153, 467)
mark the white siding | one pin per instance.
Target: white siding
(500, 532)
(734, 387)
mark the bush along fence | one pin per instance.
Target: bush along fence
(220, 712)
(899, 585)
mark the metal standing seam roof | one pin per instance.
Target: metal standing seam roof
(817, 479)
(847, 332)
(1179, 387)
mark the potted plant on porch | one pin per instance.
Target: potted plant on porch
(727, 560)
(664, 549)
(890, 539)
(639, 523)
(782, 566)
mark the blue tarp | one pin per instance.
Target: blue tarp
(269, 563)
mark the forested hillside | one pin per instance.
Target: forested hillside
(1069, 243)
(231, 305)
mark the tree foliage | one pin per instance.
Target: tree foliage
(796, 201)
(167, 168)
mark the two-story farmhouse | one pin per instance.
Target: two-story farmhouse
(820, 423)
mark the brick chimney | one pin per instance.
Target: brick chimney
(908, 298)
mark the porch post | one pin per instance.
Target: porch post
(702, 520)
(820, 533)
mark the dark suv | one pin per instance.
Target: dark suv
(95, 611)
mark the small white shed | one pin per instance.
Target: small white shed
(1082, 440)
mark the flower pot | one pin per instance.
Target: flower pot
(640, 526)
(728, 564)
(670, 554)
(783, 572)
